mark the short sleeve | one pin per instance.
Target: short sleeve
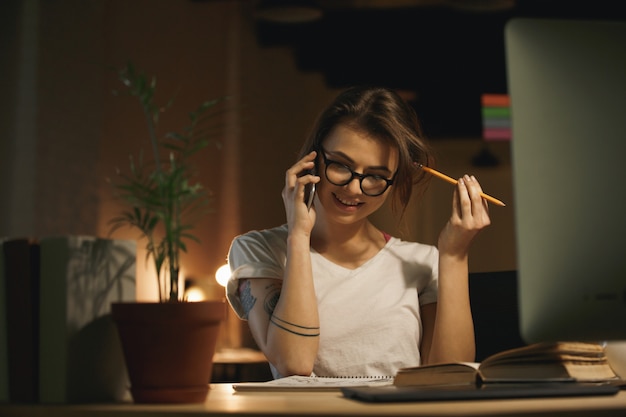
(429, 290)
(256, 254)
(429, 294)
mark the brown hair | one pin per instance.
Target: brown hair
(382, 113)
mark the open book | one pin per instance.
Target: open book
(539, 362)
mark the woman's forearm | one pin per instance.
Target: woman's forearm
(294, 329)
(453, 334)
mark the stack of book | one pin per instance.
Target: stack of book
(496, 112)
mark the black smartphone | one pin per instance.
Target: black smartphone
(309, 189)
(309, 193)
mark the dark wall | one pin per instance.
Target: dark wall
(447, 57)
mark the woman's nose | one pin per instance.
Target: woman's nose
(354, 186)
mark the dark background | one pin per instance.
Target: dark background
(444, 57)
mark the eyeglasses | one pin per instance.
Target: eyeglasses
(340, 174)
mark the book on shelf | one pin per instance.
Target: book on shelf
(21, 315)
(538, 362)
(314, 383)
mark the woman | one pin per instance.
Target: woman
(331, 295)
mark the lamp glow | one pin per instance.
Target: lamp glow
(195, 294)
(222, 275)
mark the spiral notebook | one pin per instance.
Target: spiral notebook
(314, 383)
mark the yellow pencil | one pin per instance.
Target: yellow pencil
(453, 181)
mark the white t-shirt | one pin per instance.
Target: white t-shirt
(369, 316)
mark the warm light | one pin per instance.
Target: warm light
(194, 294)
(222, 275)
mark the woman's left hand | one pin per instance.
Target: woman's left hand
(470, 214)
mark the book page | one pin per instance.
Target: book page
(452, 373)
(441, 367)
(312, 383)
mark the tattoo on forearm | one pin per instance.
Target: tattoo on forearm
(296, 332)
(247, 299)
(271, 299)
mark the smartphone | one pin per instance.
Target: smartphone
(309, 191)
(309, 195)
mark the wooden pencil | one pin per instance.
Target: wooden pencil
(453, 181)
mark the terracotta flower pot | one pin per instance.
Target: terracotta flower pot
(168, 348)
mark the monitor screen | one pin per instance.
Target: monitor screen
(567, 83)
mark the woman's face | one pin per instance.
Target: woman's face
(363, 154)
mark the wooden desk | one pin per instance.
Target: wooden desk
(223, 401)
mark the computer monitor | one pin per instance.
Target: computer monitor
(567, 84)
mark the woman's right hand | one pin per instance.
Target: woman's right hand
(299, 217)
(470, 214)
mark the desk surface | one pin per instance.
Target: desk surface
(224, 401)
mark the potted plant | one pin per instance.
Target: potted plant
(161, 196)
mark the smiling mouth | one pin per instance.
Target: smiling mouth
(347, 202)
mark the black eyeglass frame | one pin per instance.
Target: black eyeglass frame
(361, 177)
